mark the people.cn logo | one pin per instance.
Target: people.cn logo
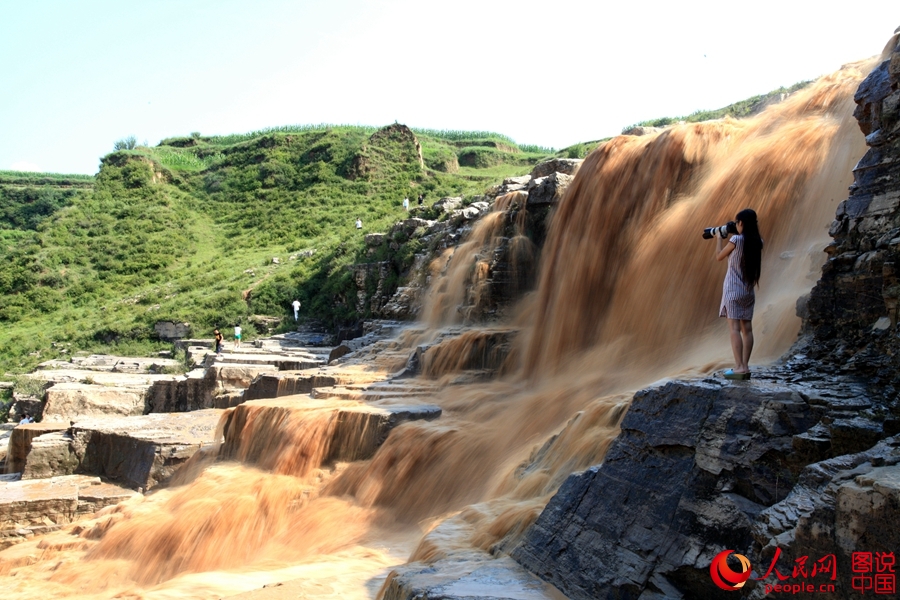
(726, 578)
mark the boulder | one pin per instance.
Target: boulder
(567, 166)
(339, 352)
(138, 452)
(374, 239)
(402, 304)
(446, 205)
(549, 189)
(141, 452)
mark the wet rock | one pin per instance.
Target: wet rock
(859, 286)
(693, 467)
(261, 431)
(286, 383)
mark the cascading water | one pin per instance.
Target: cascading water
(627, 293)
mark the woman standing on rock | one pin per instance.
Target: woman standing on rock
(744, 253)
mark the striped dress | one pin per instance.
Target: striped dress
(738, 298)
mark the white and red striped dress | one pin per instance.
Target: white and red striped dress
(738, 298)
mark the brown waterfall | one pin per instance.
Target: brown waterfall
(627, 293)
(625, 262)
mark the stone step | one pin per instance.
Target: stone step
(288, 383)
(294, 434)
(280, 362)
(34, 507)
(364, 393)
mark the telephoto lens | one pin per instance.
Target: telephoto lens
(729, 227)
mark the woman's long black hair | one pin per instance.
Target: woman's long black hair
(751, 259)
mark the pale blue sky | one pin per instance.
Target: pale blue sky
(76, 76)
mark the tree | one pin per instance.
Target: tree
(128, 143)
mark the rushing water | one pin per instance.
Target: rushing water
(627, 294)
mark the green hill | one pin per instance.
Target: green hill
(188, 230)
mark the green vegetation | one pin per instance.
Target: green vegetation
(738, 110)
(580, 150)
(188, 230)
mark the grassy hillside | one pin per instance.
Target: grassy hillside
(738, 110)
(188, 230)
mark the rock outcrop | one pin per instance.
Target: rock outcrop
(393, 288)
(851, 314)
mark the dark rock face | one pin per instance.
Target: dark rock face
(693, 467)
(851, 314)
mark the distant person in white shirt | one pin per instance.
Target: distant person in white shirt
(296, 305)
(406, 204)
(358, 223)
(237, 337)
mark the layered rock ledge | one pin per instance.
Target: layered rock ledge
(699, 468)
(138, 452)
(29, 508)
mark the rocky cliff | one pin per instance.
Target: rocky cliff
(851, 314)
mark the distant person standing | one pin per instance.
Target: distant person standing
(296, 305)
(406, 204)
(237, 336)
(358, 223)
(421, 199)
(26, 419)
(219, 340)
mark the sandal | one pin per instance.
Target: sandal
(730, 374)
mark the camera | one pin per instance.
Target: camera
(729, 227)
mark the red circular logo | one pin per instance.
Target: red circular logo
(724, 577)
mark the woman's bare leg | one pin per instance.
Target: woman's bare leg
(737, 345)
(747, 338)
